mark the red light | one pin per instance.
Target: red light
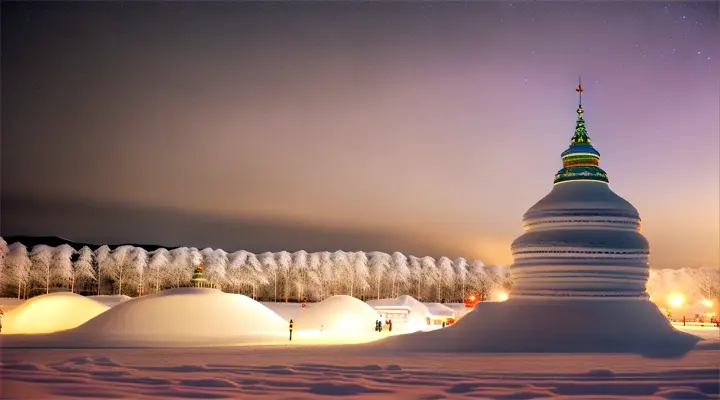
(472, 298)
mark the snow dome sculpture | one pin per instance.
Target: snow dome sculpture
(579, 277)
(339, 314)
(52, 312)
(194, 316)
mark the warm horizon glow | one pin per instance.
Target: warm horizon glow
(676, 300)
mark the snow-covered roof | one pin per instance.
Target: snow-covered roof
(440, 310)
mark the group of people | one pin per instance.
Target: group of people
(379, 325)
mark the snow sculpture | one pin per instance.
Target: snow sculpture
(580, 273)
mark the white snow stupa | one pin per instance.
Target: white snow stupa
(580, 272)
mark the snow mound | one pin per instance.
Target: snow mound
(110, 300)
(340, 314)
(190, 316)
(51, 313)
(555, 326)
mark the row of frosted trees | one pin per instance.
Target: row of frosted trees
(277, 276)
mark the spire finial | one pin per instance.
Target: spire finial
(579, 89)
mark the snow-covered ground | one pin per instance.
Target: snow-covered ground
(349, 372)
(202, 343)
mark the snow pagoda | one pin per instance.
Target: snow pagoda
(579, 276)
(198, 279)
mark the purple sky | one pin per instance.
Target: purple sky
(423, 128)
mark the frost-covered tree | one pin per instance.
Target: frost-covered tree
(341, 264)
(157, 271)
(138, 264)
(284, 263)
(359, 272)
(196, 257)
(709, 285)
(244, 269)
(215, 262)
(62, 263)
(326, 273)
(378, 265)
(258, 274)
(415, 277)
(460, 267)
(429, 270)
(400, 272)
(479, 280)
(42, 265)
(121, 270)
(445, 274)
(82, 268)
(270, 269)
(18, 265)
(181, 266)
(104, 263)
(299, 272)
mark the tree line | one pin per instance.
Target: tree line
(280, 276)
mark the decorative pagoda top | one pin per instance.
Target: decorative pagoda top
(580, 161)
(198, 275)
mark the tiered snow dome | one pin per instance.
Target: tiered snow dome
(579, 277)
(185, 316)
(581, 240)
(51, 313)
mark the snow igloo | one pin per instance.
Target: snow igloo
(52, 312)
(340, 315)
(185, 316)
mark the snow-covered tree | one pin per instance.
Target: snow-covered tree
(158, 271)
(258, 275)
(479, 280)
(399, 272)
(359, 272)
(341, 264)
(284, 263)
(82, 268)
(270, 269)
(196, 258)
(121, 270)
(378, 264)
(181, 266)
(62, 263)
(415, 277)
(138, 265)
(18, 265)
(445, 274)
(104, 263)
(429, 269)
(215, 262)
(299, 272)
(42, 265)
(460, 267)
(326, 272)
(709, 286)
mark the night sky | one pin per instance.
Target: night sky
(422, 128)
